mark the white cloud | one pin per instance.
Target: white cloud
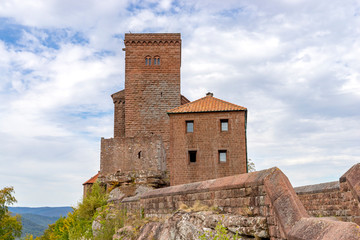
(293, 64)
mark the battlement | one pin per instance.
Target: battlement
(152, 38)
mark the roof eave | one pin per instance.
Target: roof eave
(207, 111)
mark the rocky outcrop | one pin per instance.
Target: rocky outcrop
(191, 225)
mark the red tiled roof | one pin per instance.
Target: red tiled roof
(92, 180)
(207, 104)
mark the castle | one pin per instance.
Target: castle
(199, 148)
(160, 134)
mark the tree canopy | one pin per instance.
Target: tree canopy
(10, 226)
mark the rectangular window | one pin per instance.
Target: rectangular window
(189, 126)
(192, 156)
(224, 123)
(222, 156)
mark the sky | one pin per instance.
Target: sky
(294, 64)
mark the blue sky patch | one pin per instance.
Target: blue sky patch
(20, 36)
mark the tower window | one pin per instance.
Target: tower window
(157, 60)
(189, 126)
(224, 124)
(192, 156)
(222, 156)
(147, 61)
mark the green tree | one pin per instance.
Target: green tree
(77, 224)
(10, 226)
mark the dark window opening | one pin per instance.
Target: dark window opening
(189, 126)
(192, 156)
(224, 124)
(222, 156)
(139, 154)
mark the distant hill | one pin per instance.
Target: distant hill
(42, 211)
(36, 220)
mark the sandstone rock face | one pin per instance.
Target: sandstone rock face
(116, 194)
(125, 233)
(96, 226)
(191, 225)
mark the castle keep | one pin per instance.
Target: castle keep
(159, 133)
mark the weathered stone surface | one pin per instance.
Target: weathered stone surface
(150, 231)
(286, 204)
(155, 179)
(96, 226)
(140, 190)
(316, 188)
(323, 229)
(116, 195)
(187, 226)
(352, 177)
(125, 233)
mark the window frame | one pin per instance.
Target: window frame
(157, 61)
(219, 155)
(148, 60)
(221, 125)
(186, 126)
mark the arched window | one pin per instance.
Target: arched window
(147, 61)
(156, 60)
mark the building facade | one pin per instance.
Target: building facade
(207, 140)
(150, 116)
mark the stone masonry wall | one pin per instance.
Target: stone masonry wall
(240, 195)
(151, 90)
(207, 139)
(265, 194)
(329, 200)
(119, 113)
(144, 152)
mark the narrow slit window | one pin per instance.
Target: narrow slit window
(189, 126)
(147, 61)
(222, 156)
(224, 124)
(192, 156)
(157, 60)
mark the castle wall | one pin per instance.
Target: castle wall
(333, 199)
(151, 90)
(207, 139)
(132, 154)
(266, 195)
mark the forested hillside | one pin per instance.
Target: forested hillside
(36, 220)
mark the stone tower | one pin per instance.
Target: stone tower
(152, 82)
(152, 87)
